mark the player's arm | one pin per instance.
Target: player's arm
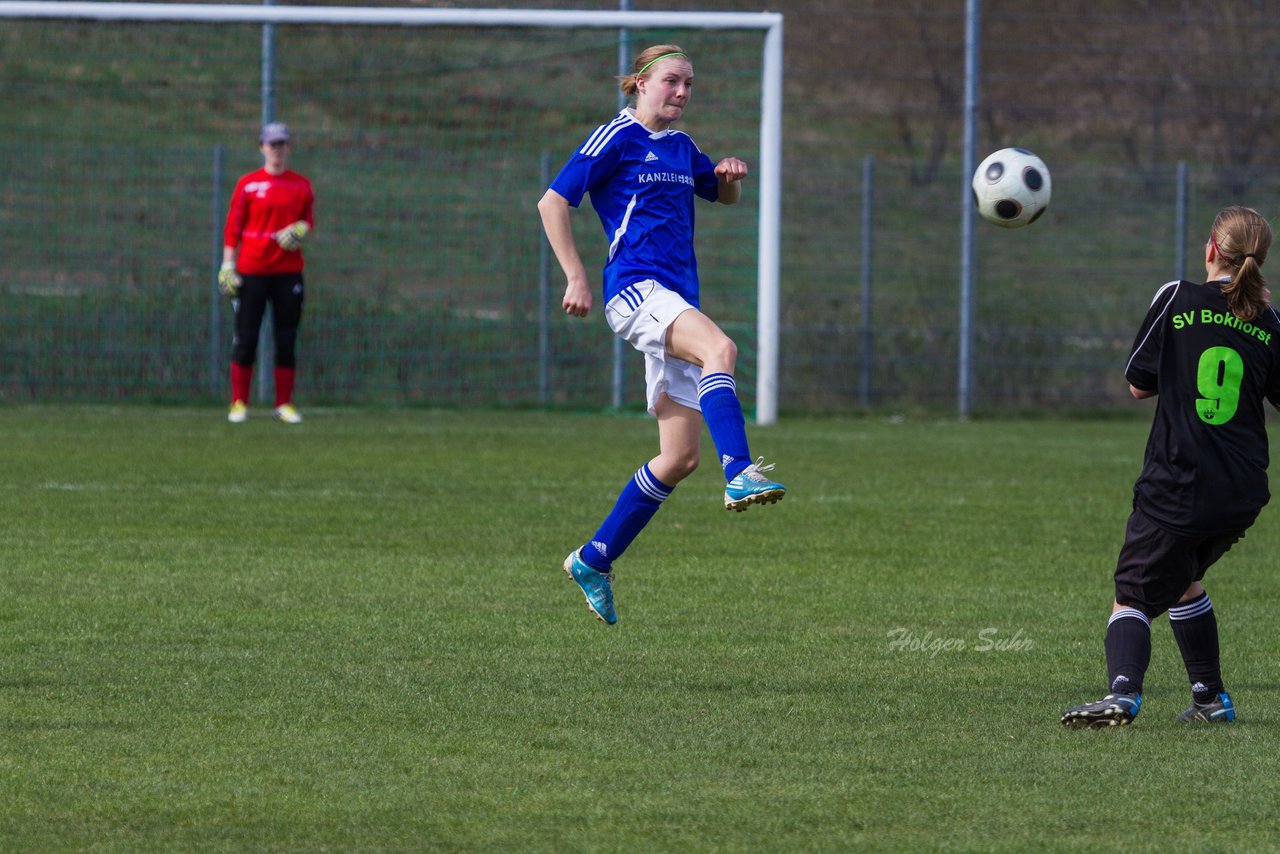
(1143, 368)
(729, 174)
(237, 214)
(554, 210)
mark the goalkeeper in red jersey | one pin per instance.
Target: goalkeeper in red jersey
(270, 217)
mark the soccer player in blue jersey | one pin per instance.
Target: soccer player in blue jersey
(643, 176)
(1212, 353)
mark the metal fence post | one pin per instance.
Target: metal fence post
(868, 214)
(544, 298)
(215, 297)
(266, 342)
(268, 69)
(1180, 222)
(971, 50)
(624, 65)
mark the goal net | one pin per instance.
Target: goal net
(429, 136)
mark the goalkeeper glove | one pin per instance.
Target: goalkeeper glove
(290, 237)
(229, 280)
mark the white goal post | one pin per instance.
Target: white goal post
(770, 167)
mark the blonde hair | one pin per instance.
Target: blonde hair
(1242, 237)
(647, 57)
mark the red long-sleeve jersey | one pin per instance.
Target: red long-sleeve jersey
(261, 205)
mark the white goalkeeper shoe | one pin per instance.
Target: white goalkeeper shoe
(286, 414)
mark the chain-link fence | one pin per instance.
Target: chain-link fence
(427, 279)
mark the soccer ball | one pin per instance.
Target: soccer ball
(1011, 188)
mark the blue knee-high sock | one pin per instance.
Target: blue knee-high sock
(722, 412)
(639, 500)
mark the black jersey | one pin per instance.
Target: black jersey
(1205, 469)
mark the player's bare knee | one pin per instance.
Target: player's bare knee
(687, 465)
(692, 464)
(680, 465)
(723, 353)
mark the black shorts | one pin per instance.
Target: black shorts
(1157, 566)
(285, 294)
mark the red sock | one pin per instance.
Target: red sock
(284, 385)
(241, 380)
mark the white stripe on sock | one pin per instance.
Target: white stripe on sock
(651, 486)
(1131, 613)
(715, 381)
(1188, 612)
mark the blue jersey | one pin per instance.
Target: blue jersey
(642, 185)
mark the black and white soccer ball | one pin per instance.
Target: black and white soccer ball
(1011, 188)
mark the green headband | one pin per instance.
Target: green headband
(656, 58)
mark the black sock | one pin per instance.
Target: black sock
(1195, 628)
(1128, 650)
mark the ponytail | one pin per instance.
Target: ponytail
(1242, 237)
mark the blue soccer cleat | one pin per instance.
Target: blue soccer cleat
(596, 586)
(750, 486)
(1218, 710)
(1112, 710)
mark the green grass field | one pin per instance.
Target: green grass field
(355, 635)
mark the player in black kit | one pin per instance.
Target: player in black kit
(1212, 354)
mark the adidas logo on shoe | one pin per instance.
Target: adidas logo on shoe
(1219, 710)
(750, 486)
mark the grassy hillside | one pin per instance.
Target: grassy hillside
(428, 148)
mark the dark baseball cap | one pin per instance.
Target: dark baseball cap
(275, 132)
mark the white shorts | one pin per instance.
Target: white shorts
(640, 315)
